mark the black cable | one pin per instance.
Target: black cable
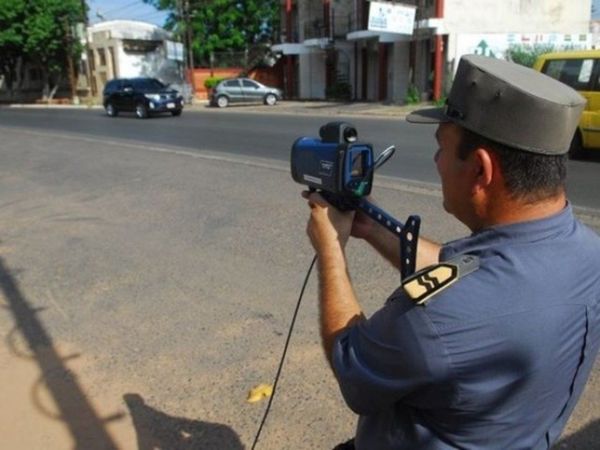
(287, 342)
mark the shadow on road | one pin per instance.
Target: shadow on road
(591, 156)
(157, 430)
(585, 439)
(74, 410)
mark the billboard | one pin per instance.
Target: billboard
(495, 45)
(391, 17)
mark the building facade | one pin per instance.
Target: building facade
(347, 49)
(127, 49)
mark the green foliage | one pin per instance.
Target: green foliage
(339, 90)
(413, 96)
(440, 102)
(222, 25)
(526, 55)
(39, 32)
(211, 82)
(12, 36)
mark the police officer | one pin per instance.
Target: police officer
(490, 344)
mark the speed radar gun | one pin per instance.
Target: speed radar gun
(341, 169)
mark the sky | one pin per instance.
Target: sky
(124, 9)
(138, 10)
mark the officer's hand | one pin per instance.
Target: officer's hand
(327, 225)
(363, 225)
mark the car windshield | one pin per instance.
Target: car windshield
(148, 85)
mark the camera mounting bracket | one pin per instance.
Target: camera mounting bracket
(407, 232)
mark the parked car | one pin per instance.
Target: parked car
(581, 71)
(238, 90)
(144, 96)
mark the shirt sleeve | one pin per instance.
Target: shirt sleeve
(394, 354)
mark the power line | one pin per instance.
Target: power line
(147, 16)
(121, 8)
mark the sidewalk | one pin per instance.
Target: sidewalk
(311, 107)
(320, 108)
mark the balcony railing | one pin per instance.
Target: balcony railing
(340, 26)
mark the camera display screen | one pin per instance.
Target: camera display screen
(357, 165)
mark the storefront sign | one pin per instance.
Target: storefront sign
(495, 45)
(391, 18)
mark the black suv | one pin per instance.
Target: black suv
(144, 96)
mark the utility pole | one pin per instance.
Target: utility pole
(438, 72)
(70, 67)
(183, 36)
(88, 72)
(289, 63)
(189, 38)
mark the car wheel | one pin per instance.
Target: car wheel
(222, 101)
(141, 111)
(111, 111)
(270, 99)
(176, 112)
(576, 150)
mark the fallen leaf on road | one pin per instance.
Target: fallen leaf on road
(259, 392)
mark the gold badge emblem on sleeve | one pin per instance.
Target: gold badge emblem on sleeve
(421, 286)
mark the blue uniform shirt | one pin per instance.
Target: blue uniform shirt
(497, 360)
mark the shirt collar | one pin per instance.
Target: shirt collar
(530, 231)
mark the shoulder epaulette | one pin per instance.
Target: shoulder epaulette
(422, 285)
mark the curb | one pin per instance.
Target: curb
(315, 108)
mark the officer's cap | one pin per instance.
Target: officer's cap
(510, 104)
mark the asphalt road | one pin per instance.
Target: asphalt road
(146, 286)
(239, 131)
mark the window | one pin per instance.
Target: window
(147, 85)
(576, 73)
(249, 84)
(102, 56)
(112, 86)
(91, 60)
(140, 46)
(111, 52)
(232, 83)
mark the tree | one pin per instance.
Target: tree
(50, 40)
(39, 32)
(526, 55)
(12, 36)
(221, 25)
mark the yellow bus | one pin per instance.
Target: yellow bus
(581, 71)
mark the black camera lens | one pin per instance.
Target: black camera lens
(350, 134)
(338, 132)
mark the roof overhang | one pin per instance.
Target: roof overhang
(434, 24)
(294, 49)
(381, 37)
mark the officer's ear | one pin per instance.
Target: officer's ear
(484, 166)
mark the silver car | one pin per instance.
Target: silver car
(243, 90)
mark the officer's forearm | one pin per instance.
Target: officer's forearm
(387, 245)
(338, 306)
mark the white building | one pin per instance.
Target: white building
(128, 48)
(328, 41)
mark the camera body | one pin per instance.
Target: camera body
(335, 164)
(341, 169)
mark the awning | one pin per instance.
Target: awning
(295, 49)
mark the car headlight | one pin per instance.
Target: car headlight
(155, 97)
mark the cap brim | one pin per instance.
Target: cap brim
(428, 115)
